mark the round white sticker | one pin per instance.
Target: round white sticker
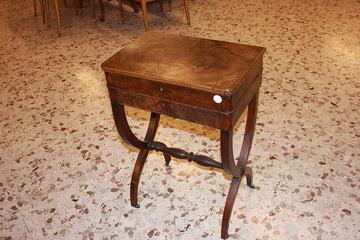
(217, 99)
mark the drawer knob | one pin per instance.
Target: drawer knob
(161, 89)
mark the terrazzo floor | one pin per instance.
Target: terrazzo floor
(65, 174)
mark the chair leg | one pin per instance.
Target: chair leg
(143, 6)
(170, 5)
(76, 8)
(80, 6)
(47, 12)
(93, 10)
(132, 3)
(121, 11)
(186, 3)
(58, 17)
(161, 6)
(34, 3)
(102, 8)
(42, 6)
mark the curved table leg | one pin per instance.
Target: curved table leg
(123, 127)
(128, 136)
(140, 161)
(239, 170)
(234, 187)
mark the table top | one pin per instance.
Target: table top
(194, 63)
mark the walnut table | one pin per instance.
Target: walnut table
(199, 80)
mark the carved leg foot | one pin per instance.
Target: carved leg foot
(128, 136)
(167, 159)
(249, 177)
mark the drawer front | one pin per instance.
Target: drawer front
(173, 93)
(190, 113)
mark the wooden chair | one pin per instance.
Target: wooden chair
(143, 6)
(46, 11)
(45, 4)
(92, 5)
(42, 9)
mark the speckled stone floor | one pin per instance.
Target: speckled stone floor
(65, 174)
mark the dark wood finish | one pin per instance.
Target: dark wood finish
(239, 170)
(181, 154)
(199, 80)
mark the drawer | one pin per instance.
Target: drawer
(174, 93)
